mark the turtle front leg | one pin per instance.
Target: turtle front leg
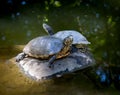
(51, 60)
(20, 56)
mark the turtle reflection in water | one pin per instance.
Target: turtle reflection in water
(46, 46)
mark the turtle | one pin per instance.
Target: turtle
(79, 41)
(46, 47)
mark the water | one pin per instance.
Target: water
(19, 27)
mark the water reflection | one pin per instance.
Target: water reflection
(23, 2)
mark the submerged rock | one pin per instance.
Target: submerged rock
(38, 69)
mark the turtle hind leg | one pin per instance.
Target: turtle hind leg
(51, 60)
(20, 56)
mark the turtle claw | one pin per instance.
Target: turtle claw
(51, 66)
(20, 56)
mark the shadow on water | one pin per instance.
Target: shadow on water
(97, 20)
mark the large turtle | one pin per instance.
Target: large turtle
(79, 41)
(47, 47)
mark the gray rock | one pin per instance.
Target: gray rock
(38, 69)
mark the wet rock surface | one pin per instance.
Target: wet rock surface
(38, 69)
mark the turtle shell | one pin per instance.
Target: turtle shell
(78, 38)
(43, 47)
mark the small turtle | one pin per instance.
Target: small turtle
(47, 47)
(79, 41)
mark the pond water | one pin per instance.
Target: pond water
(97, 23)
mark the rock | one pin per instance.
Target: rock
(38, 69)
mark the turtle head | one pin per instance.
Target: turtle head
(48, 29)
(68, 40)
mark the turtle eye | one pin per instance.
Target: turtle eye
(71, 37)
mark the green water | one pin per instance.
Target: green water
(99, 26)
